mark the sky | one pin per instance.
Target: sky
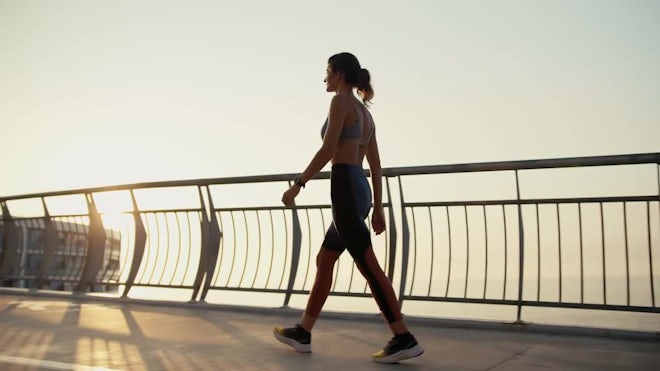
(96, 93)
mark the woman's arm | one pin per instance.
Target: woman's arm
(373, 158)
(336, 117)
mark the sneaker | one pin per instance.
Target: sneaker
(295, 337)
(397, 350)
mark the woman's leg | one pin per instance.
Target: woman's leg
(381, 289)
(299, 337)
(325, 264)
(403, 344)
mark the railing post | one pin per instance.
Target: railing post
(49, 238)
(95, 248)
(405, 245)
(138, 248)
(521, 254)
(295, 253)
(203, 253)
(9, 244)
(392, 230)
(213, 240)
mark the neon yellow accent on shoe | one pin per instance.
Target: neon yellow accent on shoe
(395, 351)
(294, 338)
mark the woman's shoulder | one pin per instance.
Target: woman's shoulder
(339, 103)
(340, 99)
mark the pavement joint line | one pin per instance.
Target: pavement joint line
(513, 356)
(53, 365)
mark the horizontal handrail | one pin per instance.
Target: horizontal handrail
(632, 159)
(642, 158)
(515, 251)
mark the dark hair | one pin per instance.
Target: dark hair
(355, 75)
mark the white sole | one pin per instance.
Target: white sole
(413, 352)
(301, 348)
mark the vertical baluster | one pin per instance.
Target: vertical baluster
(521, 249)
(506, 257)
(256, 214)
(188, 256)
(428, 293)
(247, 248)
(414, 263)
(179, 248)
(648, 230)
(405, 248)
(625, 241)
(392, 233)
(602, 240)
(168, 244)
(272, 246)
(286, 248)
(233, 252)
(559, 267)
(581, 254)
(448, 251)
(467, 253)
(538, 256)
(158, 244)
(295, 253)
(483, 209)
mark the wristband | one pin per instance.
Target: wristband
(297, 181)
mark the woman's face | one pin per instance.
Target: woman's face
(331, 79)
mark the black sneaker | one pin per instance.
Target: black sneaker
(397, 350)
(295, 337)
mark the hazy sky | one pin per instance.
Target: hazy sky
(109, 92)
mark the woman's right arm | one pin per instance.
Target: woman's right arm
(330, 139)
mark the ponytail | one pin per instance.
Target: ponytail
(364, 86)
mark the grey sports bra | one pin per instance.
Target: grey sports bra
(350, 132)
(347, 132)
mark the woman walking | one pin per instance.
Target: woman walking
(349, 134)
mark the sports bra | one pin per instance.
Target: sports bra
(350, 132)
(347, 132)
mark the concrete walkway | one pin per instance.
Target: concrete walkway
(46, 333)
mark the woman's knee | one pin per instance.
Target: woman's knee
(366, 259)
(326, 259)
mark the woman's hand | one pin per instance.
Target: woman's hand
(378, 220)
(290, 195)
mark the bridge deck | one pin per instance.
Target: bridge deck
(45, 333)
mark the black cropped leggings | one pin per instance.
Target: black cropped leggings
(351, 202)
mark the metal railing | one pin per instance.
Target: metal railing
(558, 250)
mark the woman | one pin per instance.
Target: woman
(348, 135)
